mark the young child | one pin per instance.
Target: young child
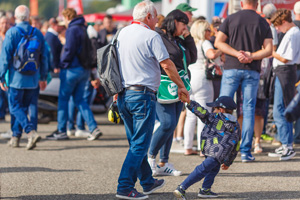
(219, 143)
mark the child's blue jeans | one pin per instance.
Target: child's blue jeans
(209, 168)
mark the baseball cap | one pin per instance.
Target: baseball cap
(223, 102)
(297, 7)
(185, 7)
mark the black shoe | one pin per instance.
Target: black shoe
(56, 135)
(207, 193)
(157, 185)
(180, 193)
(131, 195)
(287, 154)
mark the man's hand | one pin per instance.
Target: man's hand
(43, 85)
(224, 167)
(184, 98)
(183, 94)
(244, 57)
(56, 70)
(3, 86)
(115, 97)
(96, 83)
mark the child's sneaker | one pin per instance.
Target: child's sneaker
(131, 195)
(247, 157)
(167, 170)
(180, 193)
(207, 193)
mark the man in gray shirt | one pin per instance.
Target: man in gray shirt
(141, 52)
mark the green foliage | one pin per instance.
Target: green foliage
(100, 6)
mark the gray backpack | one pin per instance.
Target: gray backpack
(108, 67)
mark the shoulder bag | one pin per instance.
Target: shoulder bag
(168, 91)
(212, 70)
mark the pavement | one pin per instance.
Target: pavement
(78, 169)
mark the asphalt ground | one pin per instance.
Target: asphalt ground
(78, 169)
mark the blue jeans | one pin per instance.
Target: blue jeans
(137, 110)
(209, 169)
(168, 115)
(3, 103)
(284, 128)
(248, 79)
(297, 123)
(33, 108)
(87, 95)
(19, 101)
(72, 83)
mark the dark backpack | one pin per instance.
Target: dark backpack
(85, 55)
(27, 56)
(108, 68)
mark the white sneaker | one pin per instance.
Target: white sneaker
(152, 164)
(82, 133)
(7, 135)
(71, 132)
(167, 170)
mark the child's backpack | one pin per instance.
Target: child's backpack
(27, 56)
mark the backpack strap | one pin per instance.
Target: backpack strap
(114, 40)
(22, 32)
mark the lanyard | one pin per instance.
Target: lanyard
(140, 23)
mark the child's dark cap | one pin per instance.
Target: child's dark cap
(223, 102)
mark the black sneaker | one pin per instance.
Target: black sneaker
(277, 153)
(180, 193)
(56, 135)
(157, 185)
(207, 193)
(131, 195)
(287, 154)
(95, 134)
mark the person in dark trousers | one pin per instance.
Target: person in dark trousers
(220, 141)
(73, 78)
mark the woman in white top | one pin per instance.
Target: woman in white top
(202, 89)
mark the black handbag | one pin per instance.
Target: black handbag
(212, 70)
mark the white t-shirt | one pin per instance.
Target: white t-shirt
(140, 50)
(289, 48)
(200, 63)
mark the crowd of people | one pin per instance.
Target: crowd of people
(259, 54)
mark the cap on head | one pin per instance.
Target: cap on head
(297, 7)
(223, 102)
(185, 7)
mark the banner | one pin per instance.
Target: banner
(288, 4)
(77, 5)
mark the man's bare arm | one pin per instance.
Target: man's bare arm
(265, 52)
(220, 43)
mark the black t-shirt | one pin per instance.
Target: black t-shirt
(246, 30)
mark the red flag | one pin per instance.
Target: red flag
(77, 5)
(34, 7)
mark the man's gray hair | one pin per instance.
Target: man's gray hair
(141, 10)
(22, 13)
(268, 10)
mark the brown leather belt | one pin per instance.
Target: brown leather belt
(140, 88)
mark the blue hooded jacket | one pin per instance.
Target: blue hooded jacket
(74, 35)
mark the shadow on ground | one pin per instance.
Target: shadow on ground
(34, 169)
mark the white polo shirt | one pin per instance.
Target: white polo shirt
(140, 50)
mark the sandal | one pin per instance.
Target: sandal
(257, 149)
